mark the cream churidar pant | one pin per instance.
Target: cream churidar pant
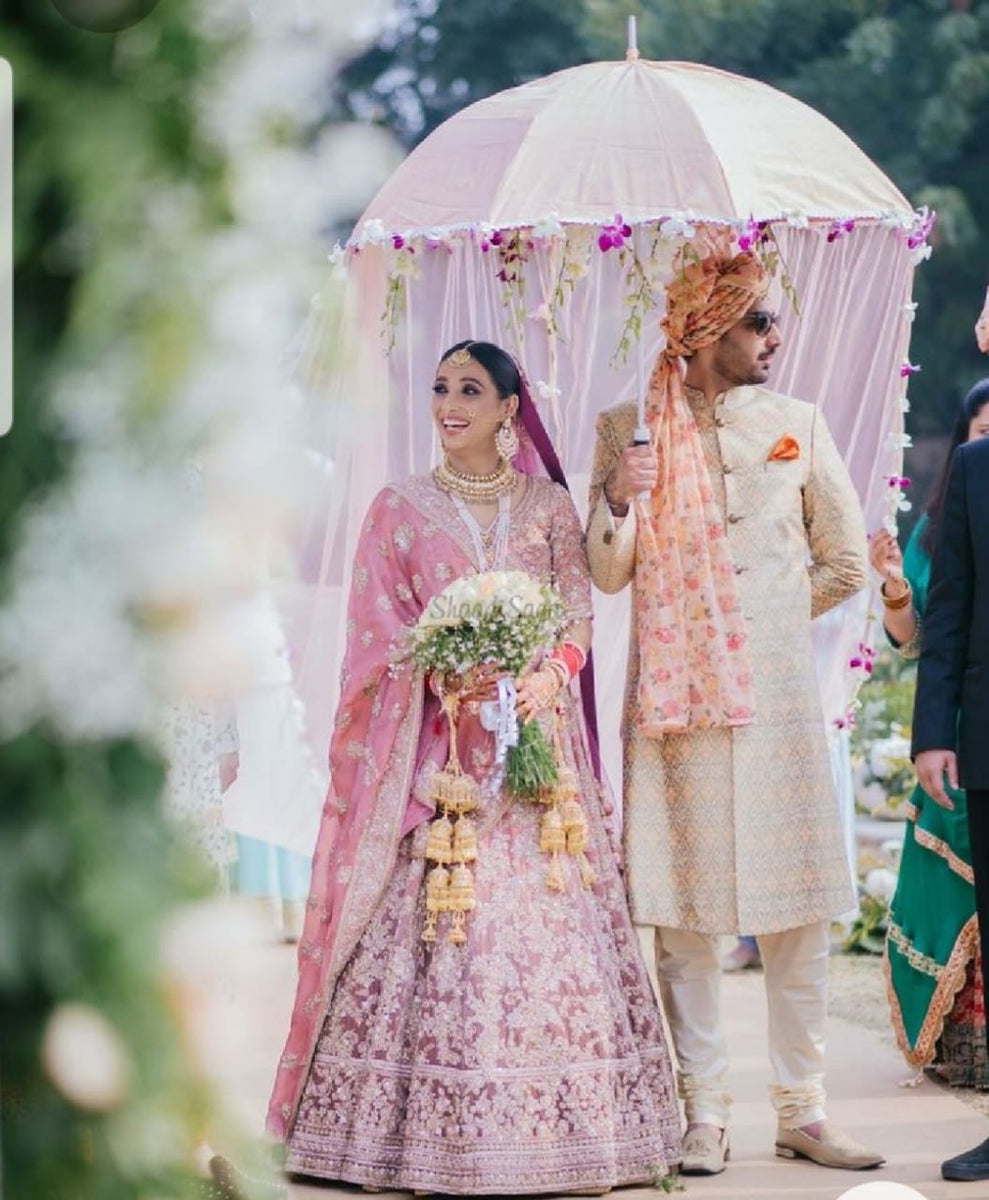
(795, 964)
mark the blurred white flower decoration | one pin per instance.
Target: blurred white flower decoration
(880, 882)
(682, 228)
(210, 961)
(85, 1058)
(132, 582)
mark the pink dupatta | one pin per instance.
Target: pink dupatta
(384, 730)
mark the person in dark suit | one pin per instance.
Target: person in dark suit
(951, 709)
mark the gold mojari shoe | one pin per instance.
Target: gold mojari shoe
(705, 1151)
(833, 1148)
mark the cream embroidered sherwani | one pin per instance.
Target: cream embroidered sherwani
(738, 830)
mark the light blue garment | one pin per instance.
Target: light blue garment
(274, 874)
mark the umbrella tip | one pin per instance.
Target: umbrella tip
(632, 53)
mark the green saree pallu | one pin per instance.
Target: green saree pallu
(933, 974)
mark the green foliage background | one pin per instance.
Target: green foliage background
(89, 870)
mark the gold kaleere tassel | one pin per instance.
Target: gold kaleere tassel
(553, 840)
(437, 900)
(566, 781)
(455, 793)
(451, 788)
(464, 840)
(575, 827)
(461, 902)
(439, 846)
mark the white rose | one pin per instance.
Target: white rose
(888, 755)
(872, 797)
(881, 883)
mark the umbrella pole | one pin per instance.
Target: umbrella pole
(632, 53)
(642, 431)
(641, 437)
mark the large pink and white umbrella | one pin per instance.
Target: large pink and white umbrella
(546, 218)
(652, 138)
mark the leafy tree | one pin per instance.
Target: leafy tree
(436, 58)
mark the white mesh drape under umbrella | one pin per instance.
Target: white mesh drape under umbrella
(546, 218)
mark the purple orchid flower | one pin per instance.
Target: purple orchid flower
(839, 229)
(612, 237)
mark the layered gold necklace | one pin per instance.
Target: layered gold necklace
(476, 489)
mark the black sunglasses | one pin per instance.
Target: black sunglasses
(761, 321)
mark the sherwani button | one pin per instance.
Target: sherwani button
(726, 469)
(608, 535)
(734, 518)
(739, 570)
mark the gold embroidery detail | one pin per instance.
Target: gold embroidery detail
(919, 961)
(950, 983)
(941, 848)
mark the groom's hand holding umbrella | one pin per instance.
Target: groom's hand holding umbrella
(636, 472)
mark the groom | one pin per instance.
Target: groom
(751, 528)
(951, 710)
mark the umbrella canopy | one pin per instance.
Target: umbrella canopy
(502, 226)
(655, 138)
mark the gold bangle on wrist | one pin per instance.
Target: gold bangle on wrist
(897, 602)
(559, 670)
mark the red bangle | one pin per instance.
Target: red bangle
(572, 657)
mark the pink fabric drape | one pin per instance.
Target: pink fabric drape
(381, 736)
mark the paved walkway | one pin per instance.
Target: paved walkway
(915, 1127)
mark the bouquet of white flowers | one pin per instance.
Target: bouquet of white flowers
(502, 617)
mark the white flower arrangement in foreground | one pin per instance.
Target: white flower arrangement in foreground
(133, 582)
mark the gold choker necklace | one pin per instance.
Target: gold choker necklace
(476, 488)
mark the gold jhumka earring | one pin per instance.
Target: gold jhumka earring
(507, 440)
(451, 844)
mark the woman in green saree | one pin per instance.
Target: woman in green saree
(933, 969)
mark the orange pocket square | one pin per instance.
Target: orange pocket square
(785, 450)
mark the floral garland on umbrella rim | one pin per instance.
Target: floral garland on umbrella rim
(572, 244)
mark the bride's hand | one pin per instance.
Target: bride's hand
(538, 689)
(481, 683)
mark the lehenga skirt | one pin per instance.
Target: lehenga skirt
(530, 1059)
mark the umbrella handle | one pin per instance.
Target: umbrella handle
(641, 438)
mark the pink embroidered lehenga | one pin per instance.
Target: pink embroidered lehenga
(530, 1059)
